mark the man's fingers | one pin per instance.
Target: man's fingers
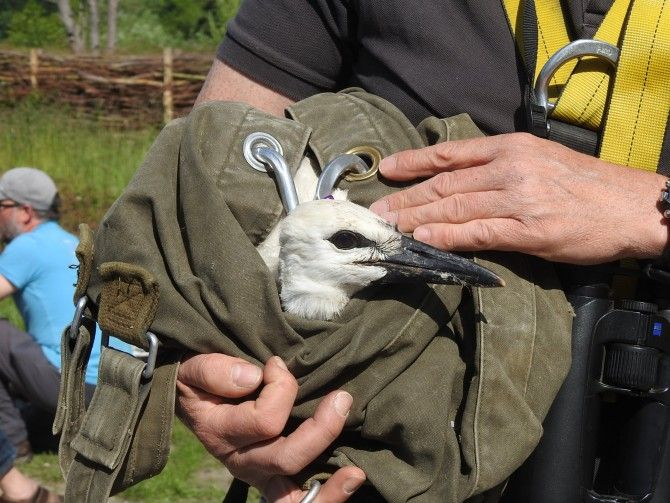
(288, 455)
(221, 375)
(490, 234)
(265, 417)
(477, 179)
(456, 209)
(341, 485)
(447, 156)
(338, 488)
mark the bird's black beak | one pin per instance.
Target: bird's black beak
(418, 261)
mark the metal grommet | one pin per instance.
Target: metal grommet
(333, 171)
(372, 158)
(256, 140)
(314, 488)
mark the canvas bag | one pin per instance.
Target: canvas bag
(450, 384)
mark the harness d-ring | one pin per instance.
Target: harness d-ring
(576, 49)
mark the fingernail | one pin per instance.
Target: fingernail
(342, 403)
(246, 376)
(422, 234)
(388, 164)
(390, 216)
(280, 362)
(379, 207)
(351, 484)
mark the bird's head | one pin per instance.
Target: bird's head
(328, 250)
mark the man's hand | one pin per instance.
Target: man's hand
(245, 435)
(516, 192)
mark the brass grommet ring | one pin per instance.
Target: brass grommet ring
(372, 158)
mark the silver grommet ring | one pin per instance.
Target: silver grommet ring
(314, 488)
(372, 158)
(256, 140)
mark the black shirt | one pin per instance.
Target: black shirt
(428, 58)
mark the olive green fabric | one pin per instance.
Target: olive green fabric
(450, 385)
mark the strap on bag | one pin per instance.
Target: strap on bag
(127, 306)
(105, 437)
(76, 343)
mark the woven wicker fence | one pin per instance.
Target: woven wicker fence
(125, 90)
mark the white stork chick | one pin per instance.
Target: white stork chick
(325, 251)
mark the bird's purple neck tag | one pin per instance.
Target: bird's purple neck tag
(329, 196)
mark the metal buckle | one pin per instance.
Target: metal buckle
(150, 365)
(264, 153)
(539, 106)
(78, 315)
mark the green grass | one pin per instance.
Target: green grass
(91, 164)
(191, 474)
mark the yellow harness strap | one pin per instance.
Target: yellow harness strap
(638, 114)
(582, 101)
(635, 122)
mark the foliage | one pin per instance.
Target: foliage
(9, 8)
(143, 25)
(32, 26)
(142, 31)
(197, 19)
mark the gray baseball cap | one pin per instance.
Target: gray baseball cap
(28, 186)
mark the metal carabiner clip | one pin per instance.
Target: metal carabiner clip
(541, 107)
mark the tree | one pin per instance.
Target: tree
(112, 16)
(72, 26)
(94, 26)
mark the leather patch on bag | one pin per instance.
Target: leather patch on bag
(128, 301)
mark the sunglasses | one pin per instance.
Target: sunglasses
(9, 205)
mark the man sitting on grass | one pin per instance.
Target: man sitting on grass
(36, 268)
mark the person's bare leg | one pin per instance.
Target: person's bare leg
(16, 486)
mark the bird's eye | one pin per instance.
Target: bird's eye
(346, 240)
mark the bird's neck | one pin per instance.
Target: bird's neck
(311, 299)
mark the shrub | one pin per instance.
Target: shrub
(32, 26)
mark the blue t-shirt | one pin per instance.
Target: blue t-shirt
(40, 264)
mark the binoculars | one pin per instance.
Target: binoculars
(607, 435)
